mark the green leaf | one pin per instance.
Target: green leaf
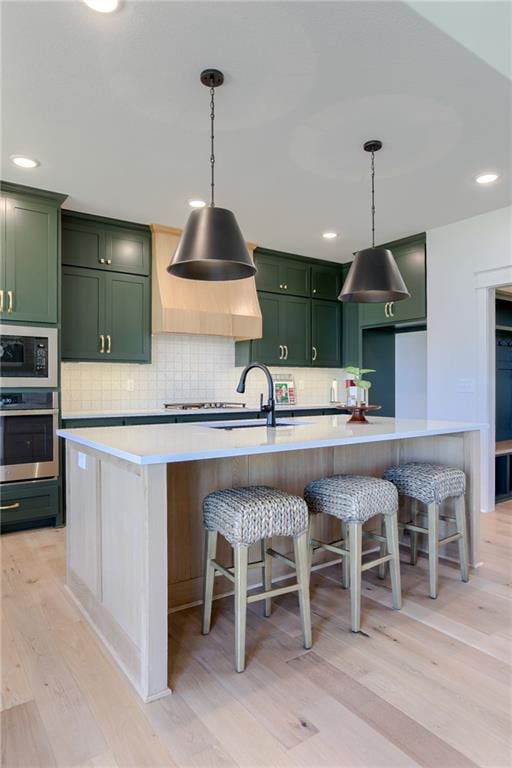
(352, 370)
(364, 384)
(367, 370)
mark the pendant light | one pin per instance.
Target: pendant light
(212, 246)
(373, 276)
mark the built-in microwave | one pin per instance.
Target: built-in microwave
(28, 356)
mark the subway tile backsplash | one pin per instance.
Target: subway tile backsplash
(183, 368)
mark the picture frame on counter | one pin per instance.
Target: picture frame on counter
(284, 391)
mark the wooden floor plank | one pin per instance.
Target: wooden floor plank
(24, 740)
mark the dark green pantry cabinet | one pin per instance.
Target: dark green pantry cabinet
(29, 259)
(410, 255)
(105, 317)
(107, 244)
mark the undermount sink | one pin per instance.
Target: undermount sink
(261, 423)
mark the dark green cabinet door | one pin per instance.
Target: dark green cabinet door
(83, 314)
(296, 278)
(411, 263)
(326, 327)
(277, 273)
(31, 261)
(295, 330)
(3, 254)
(325, 282)
(127, 318)
(83, 245)
(269, 349)
(127, 251)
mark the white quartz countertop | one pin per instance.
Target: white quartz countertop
(168, 443)
(189, 411)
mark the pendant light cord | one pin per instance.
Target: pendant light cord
(212, 146)
(373, 198)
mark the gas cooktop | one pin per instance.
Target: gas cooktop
(201, 406)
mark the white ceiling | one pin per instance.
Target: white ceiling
(112, 106)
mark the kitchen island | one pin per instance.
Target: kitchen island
(134, 495)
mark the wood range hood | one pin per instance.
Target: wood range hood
(222, 308)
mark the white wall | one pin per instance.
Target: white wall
(457, 257)
(411, 375)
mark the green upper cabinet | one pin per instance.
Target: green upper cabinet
(410, 256)
(105, 317)
(326, 281)
(278, 273)
(326, 330)
(30, 254)
(269, 348)
(83, 314)
(100, 243)
(295, 330)
(127, 318)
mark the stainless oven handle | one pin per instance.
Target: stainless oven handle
(35, 412)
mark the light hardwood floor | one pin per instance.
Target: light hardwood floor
(426, 686)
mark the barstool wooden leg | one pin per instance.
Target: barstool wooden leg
(433, 547)
(381, 570)
(460, 516)
(391, 524)
(345, 565)
(311, 536)
(241, 561)
(355, 548)
(301, 550)
(267, 574)
(413, 534)
(210, 550)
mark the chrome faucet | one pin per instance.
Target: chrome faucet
(270, 407)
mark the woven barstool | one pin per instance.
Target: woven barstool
(431, 484)
(354, 499)
(244, 516)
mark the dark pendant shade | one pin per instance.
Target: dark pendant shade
(212, 248)
(374, 277)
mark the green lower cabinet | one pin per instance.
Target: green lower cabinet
(410, 257)
(326, 330)
(105, 317)
(26, 504)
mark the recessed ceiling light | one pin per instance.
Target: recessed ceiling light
(486, 178)
(330, 235)
(197, 203)
(103, 6)
(24, 162)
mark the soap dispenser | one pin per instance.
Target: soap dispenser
(334, 391)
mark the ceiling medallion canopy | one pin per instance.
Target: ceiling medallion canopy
(373, 276)
(212, 246)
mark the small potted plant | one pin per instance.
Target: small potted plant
(360, 386)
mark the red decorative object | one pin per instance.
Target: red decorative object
(358, 412)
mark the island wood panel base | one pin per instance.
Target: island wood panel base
(117, 560)
(189, 482)
(135, 536)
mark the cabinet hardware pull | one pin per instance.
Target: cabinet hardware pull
(281, 285)
(285, 352)
(10, 296)
(391, 313)
(281, 351)
(102, 261)
(314, 354)
(314, 290)
(109, 344)
(1, 300)
(10, 506)
(109, 261)
(286, 287)
(386, 305)
(102, 343)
